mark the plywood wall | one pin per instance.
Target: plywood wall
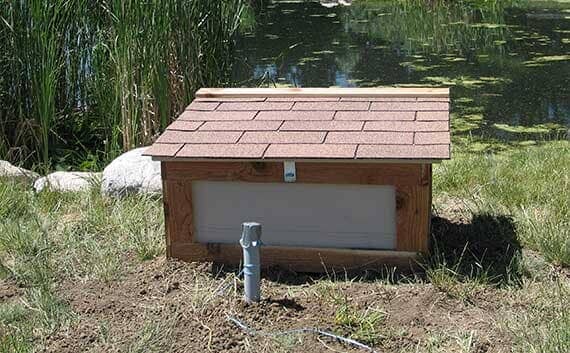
(295, 214)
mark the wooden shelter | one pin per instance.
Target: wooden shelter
(338, 177)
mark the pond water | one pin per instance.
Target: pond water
(507, 62)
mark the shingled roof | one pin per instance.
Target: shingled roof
(310, 123)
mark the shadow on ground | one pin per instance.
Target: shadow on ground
(486, 247)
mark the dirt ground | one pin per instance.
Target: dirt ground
(166, 305)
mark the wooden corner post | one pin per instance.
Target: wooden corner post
(178, 210)
(413, 213)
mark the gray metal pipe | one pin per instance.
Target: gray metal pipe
(250, 242)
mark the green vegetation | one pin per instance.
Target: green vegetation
(50, 237)
(500, 235)
(361, 325)
(81, 81)
(529, 184)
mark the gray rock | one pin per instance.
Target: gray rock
(67, 181)
(132, 173)
(9, 171)
(334, 3)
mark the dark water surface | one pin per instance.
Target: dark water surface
(507, 62)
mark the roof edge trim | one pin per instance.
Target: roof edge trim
(388, 92)
(302, 160)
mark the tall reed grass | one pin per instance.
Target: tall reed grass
(84, 80)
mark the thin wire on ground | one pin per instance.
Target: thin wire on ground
(254, 332)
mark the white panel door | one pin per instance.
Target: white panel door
(292, 214)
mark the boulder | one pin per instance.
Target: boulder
(67, 181)
(132, 173)
(9, 171)
(333, 3)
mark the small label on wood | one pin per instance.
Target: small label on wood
(289, 172)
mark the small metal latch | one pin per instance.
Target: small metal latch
(289, 172)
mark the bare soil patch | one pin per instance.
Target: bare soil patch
(164, 305)
(9, 290)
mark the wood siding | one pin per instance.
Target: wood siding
(412, 183)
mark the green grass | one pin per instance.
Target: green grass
(50, 237)
(153, 337)
(545, 324)
(529, 185)
(491, 209)
(360, 325)
(502, 229)
(506, 205)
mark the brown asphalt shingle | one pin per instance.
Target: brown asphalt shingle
(336, 106)
(197, 105)
(254, 125)
(199, 137)
(371, 137)
(369, 116)
(217, 115)
(255, 106)
(322, 126)
(431, 138)
(406, 126)
(295, 115)
(433, 115)
(342, 124)
(403, 151)
(310, 151)
(163, 150)
(184, 125)
(283, 137)
(220, 150)
(409, 106)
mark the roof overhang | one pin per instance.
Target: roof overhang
(300, 160)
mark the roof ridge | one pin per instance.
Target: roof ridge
(429, 92)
